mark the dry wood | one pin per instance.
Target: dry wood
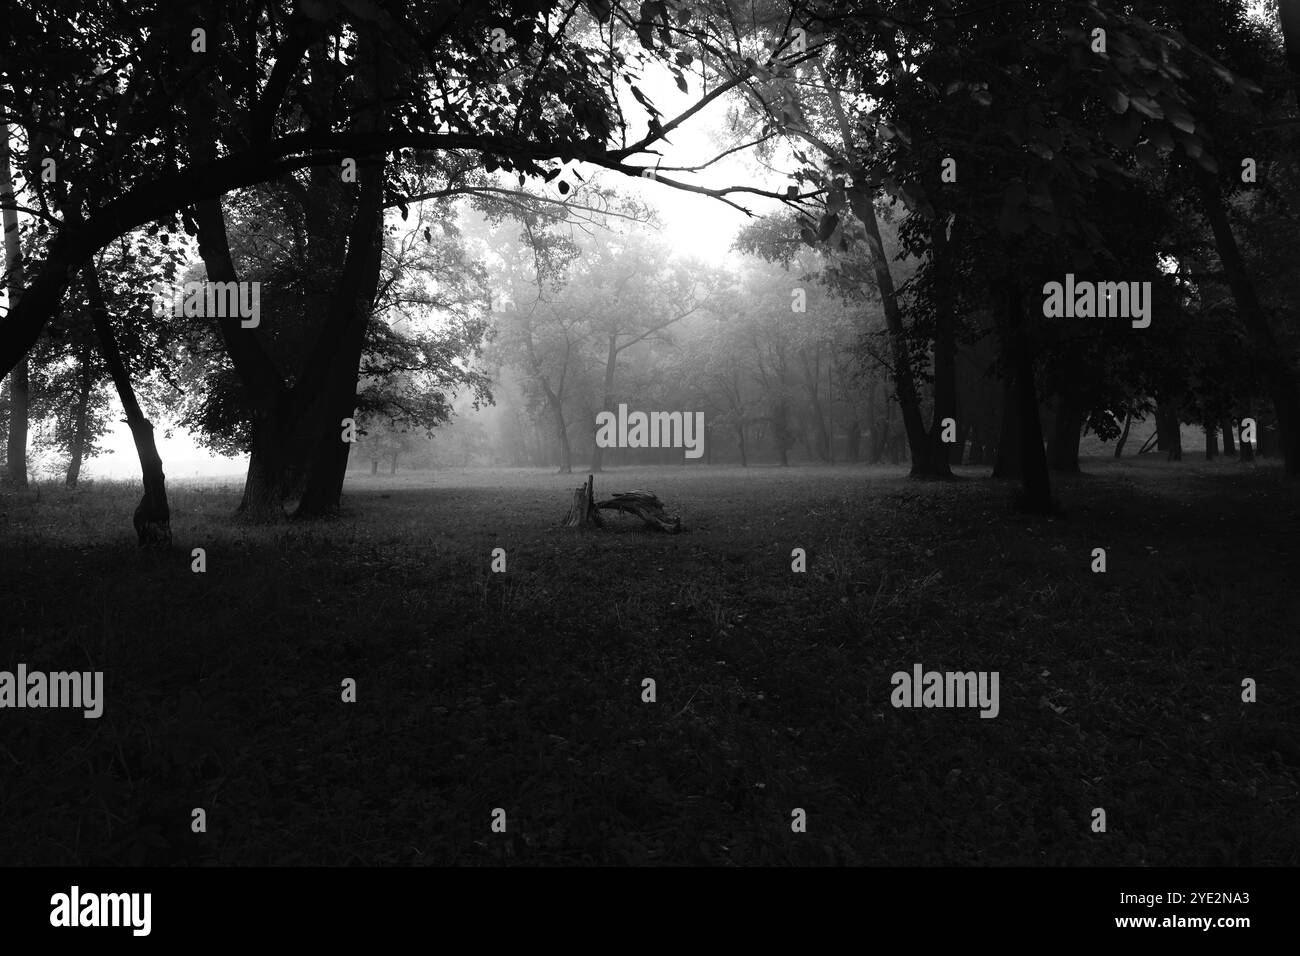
(585, 511)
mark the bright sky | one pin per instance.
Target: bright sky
(697, 226)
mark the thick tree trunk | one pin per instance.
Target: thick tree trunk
(1008, 462)
(1169, 429)
(1211, 442)
(337, 353)
(1067, 427)
(1229, 446)
(1036, 492)
(275, 460)
(152, 517)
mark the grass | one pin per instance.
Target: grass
(522, 690)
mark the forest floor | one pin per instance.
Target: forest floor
(523, 690)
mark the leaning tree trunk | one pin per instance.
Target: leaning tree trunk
(152, 516)
(1123, 436)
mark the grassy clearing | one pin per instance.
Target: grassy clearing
(522, 690)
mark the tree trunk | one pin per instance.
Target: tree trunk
(392, 470)
(1169, 429)
(374, 466)
(1008, 463)
(781, 434)
(1229, 447)
(853, 442)
(152, 518)
(611, 363)
(935, 460)
(1036, 493)
(821, 438)
(80, 422)
(1123, 436)
(336, 357)
(562, 437)
(909, 400)
(740, 438)
(1067, 428)
(1211, 442)
(1278, 374)
(18, 387)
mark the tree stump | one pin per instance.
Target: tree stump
(583, 513)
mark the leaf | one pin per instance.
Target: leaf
(1116, 99)
(982, 97)
(1148, 107)
(827, 226)
(1182, 119)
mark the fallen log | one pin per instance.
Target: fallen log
(585, 511)
(646, 506)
